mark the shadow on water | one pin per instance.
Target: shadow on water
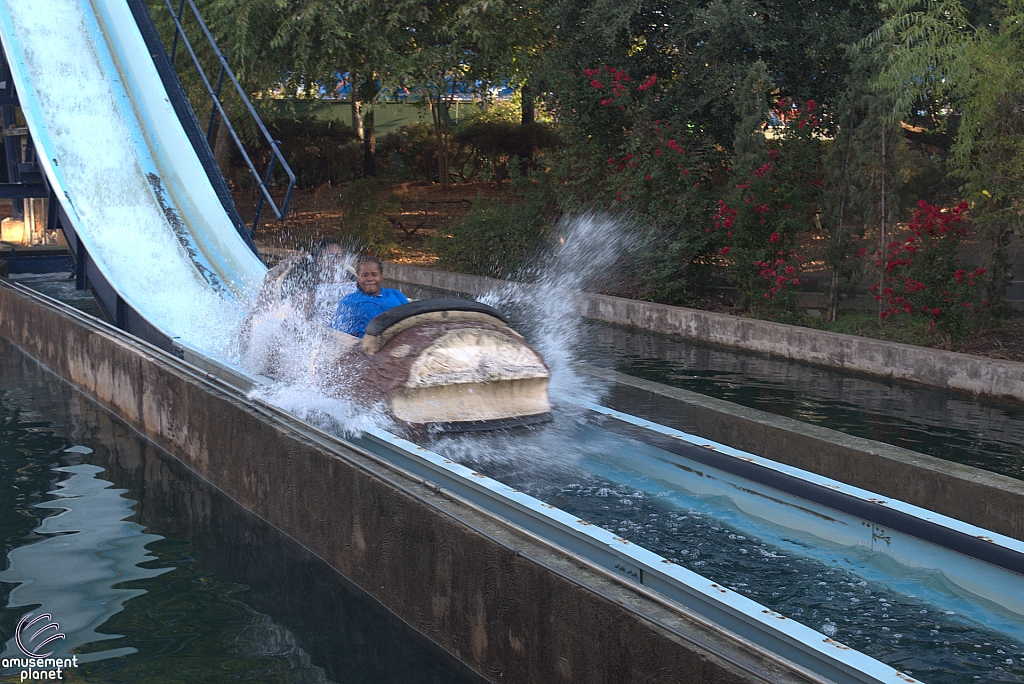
(217, 594)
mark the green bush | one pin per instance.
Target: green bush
(365, 225)
(318, 151)
(414, 147)
(493, 239)
(498, 141)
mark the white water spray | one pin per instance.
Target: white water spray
(587, 250)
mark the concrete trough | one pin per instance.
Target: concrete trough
(989, 500)
(511, 607)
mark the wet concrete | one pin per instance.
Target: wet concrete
(510, 608)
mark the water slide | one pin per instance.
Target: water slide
(161, 251)
(166, 258)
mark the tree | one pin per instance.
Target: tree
(939, 53)
(467, 46)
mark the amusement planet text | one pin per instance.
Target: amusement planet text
(33, 669)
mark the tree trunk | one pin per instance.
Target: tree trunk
(222, 148)
(440, 125)
(357, 119)
(369, 146)
(528, 105)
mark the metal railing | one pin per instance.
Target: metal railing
(218, 109)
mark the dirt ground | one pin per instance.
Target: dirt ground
(1005, 342)
(426, 209)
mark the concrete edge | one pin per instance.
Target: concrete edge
(988, 500)
(510, 608)
(934, 367)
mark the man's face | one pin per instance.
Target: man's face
(370, 278)
(332, 264)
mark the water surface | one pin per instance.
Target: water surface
(157, 577)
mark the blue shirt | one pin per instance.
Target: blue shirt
(357, 309)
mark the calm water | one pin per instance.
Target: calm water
(957, 427)
(155, 576)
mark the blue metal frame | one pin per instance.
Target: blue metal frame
(218, 109)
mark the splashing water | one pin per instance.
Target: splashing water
(588, 248)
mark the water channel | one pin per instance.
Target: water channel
(912, 620)
(154, 575)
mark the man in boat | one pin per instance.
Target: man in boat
(357, 309)
(334, 278)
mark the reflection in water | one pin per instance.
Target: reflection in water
(214, 595)
(957, 427)
(89, 548)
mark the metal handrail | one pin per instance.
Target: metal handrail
(218, 108)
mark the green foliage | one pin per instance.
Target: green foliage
(505, 139)
(318, 151)
(415, 148)
(856, 176)
(767, 207)
(701, 52)
(365, 225)
(975, 70)
(494, 239)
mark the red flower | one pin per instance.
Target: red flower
(773, 238)
(725, 250)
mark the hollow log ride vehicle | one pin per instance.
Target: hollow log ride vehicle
(447, 363)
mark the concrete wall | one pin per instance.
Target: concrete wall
(994, 502)
(512, 609)
(946, 370)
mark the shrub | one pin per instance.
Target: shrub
(499, 141)
(365, 226)
(415, 148)
(923, 276)
(493, 239)
(317, 151)
(760, 217)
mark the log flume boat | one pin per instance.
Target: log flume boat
(447, 363)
